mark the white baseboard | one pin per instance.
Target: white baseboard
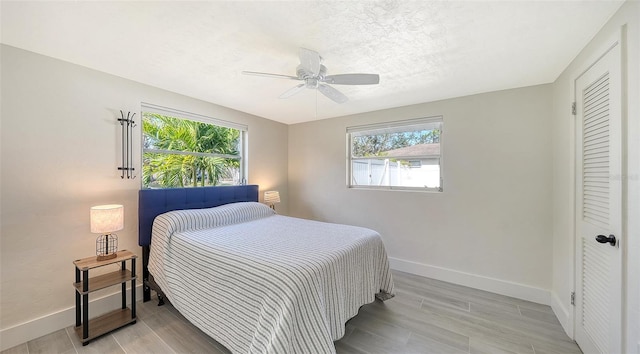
(502, 287)
(563, 314)
(38, 327)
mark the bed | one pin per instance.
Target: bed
(255, 281)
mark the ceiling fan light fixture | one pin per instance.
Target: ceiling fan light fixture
(311, 83)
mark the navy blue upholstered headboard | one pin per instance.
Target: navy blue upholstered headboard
(153, 202)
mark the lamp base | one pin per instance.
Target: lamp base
(104, 257)
(106, 247)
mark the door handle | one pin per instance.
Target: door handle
(604, 239)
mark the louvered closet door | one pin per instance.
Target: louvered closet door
(598, 207)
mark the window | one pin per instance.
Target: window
(181, 149)
(396, 155)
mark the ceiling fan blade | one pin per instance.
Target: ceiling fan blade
(309, 60)
(353, 79)
(255, 73)
(332, 93)
(292, 91)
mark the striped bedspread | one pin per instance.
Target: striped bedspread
(264, 283)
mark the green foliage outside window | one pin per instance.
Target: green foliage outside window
(182, 153)
(378, 144)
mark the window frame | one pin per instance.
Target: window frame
(391, 126)
(176, 113)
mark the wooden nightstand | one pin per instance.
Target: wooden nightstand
(90, 329)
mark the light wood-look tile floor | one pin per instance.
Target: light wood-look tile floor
(426, 316)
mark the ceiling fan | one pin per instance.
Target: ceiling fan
(314, 76)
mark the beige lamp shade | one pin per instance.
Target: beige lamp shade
(107, 218)
(271, 197)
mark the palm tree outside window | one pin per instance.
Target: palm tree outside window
(179, 152)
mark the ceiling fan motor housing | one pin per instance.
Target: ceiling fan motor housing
(311, 81)
(304, 74)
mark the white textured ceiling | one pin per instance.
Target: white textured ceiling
(423, 50)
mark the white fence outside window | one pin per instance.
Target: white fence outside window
(386, 172)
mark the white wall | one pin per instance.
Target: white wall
(490, 228)
(59, 145)
(563, 181)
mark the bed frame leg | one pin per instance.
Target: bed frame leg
(160, 300)
(146, 290)
(146, 293)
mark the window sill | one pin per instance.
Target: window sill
(399, 189)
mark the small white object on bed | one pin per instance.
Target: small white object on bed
(258, 282)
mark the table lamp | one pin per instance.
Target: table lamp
(106, 219)
(271, 198)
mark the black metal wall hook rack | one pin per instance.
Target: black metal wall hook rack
(127, 145)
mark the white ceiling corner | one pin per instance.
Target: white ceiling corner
(423, 50)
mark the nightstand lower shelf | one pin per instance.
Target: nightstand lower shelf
(106, 323)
